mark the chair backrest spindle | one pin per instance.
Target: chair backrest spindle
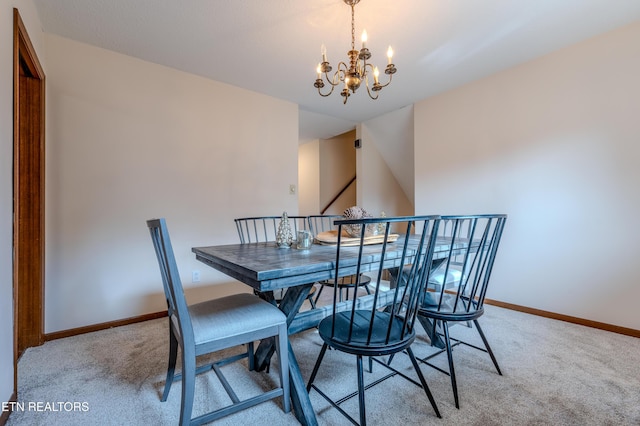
(322, 223)
(262, 229)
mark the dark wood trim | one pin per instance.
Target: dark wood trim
(4, 416)
(20, 33)
(566, 318)
(103, 326)
(28, 193)
(532, 311)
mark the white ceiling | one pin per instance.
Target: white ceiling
(273, 46)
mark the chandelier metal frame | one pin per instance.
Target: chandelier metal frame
(358, 70)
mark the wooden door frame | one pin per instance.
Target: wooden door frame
(28, 193)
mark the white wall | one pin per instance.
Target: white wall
(309, 178)
(392, 136)
(129, 140)
(555, 144)
(378, 189)
(32, 23)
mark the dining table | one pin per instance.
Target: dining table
(266, 267)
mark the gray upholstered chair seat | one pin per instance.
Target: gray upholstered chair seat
(231, 316)
(437, 278)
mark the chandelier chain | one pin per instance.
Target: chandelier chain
(353, 27)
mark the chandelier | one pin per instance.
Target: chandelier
(358, 70)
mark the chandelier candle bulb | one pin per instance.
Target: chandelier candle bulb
(323, 51)
(376, 73)
(364, 38)
(390, 54)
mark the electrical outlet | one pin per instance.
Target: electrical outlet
(292, 189)
(195, 276)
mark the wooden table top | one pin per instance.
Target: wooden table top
(266, 267)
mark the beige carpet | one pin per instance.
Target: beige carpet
(555, 373)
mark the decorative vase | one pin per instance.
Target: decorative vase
(284, 237)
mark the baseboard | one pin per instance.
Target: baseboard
(103, 326)
(575, 320)
(4, 416)
(581, 321)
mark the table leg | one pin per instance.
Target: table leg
(290, 305)
(434, 337)
(302, 407)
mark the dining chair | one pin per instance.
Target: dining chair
(326, 223)
(379, 329)
(262, 229)
(212, 326)
(457, 289)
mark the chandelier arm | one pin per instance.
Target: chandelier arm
(376, 86)
(370, 95)
(387, 83)
(324, 95)
(369, 65)
(338, 75)
(366, 83)
(379, 85)
(332, 81)
(362, 63)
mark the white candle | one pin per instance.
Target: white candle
(364, 38)
(390, 54)
(323, 50)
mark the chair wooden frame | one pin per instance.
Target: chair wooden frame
(211, 326)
